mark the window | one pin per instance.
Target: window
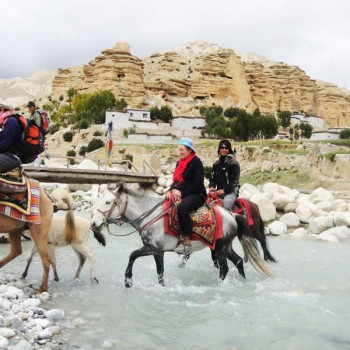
(131, 114)
(145, 115)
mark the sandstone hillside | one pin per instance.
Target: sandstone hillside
(188, 77)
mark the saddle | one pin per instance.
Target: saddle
(241, 206)
(207, 222)
(15, 191)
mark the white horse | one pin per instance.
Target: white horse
(68, 230)
(146, 214)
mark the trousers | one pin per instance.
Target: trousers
(8, 161)
(188, 204)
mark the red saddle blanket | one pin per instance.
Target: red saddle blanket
(22, 206)
(242, 206)
(207, 223)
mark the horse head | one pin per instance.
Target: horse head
(109, 209)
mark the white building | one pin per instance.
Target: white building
(140, 120)
(127, 119)
(325, 135)
(315, 122)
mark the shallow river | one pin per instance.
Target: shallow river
(305, 306)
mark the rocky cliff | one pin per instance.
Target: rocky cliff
(199, 74)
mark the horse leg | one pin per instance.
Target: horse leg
(236, 260)
(223, 267)
(16, 247)
(51, 248)
(263, 243)
(83, 252)
(144, 251)
(214, 258)
(159, 259)
(185, 257)
(42, 247)
(29, 261)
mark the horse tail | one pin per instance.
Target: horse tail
(70, 233)
(100, 237)
(250, 248)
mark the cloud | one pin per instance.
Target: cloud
(56, 34)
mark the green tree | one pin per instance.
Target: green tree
(231, 112)
(284, 117)
(155, 113)
(121, 104)
(269, 126)
(241, 127)
(71, 93)
(345, 134)
(305, 130)
(93, 106)
(166, 114)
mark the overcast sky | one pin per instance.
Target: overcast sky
(52, 34)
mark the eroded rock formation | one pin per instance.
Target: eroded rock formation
(199, 74)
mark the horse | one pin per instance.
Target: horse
(145, 213)
(68, 230)
(39, 234)
(257, 228)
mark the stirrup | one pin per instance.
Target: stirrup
(184, 245)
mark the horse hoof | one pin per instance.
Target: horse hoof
(95, 280)
(240, 268)
(128, 283)
(23, 276)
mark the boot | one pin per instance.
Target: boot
(184, 245)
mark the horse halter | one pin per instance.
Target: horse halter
(107, 214)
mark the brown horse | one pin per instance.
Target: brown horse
(257, 228)
(39, 234)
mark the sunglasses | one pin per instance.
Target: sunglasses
(223, 147)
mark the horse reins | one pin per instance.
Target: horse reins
(119, 221)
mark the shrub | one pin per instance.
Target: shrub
(207, 171)
(97, 133)
(53, 128)
(83, 150)
(83, 124)
(71, 153)
(68, 136)
(94, 144)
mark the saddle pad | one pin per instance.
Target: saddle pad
(207, 223)
(32, 214)
(14, 177)
(244, 206)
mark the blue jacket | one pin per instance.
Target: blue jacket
(193, 177)
(10, 135)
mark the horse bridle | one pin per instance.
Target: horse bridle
(119, 221)
(107, 214)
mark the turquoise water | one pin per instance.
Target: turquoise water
(305, 306)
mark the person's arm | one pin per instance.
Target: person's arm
(37, 119)
(195, 186)
(233, 174)
(212, 179)
(8, 135)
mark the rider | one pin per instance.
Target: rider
(10, 133)
(224, 179)
(188, 184)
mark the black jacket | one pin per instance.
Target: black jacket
(193, 182)
(225, 174)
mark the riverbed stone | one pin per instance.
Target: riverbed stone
(278, 228)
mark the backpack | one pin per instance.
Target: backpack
(32, 139)
(45, 123)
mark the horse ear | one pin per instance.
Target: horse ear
(121, 188)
